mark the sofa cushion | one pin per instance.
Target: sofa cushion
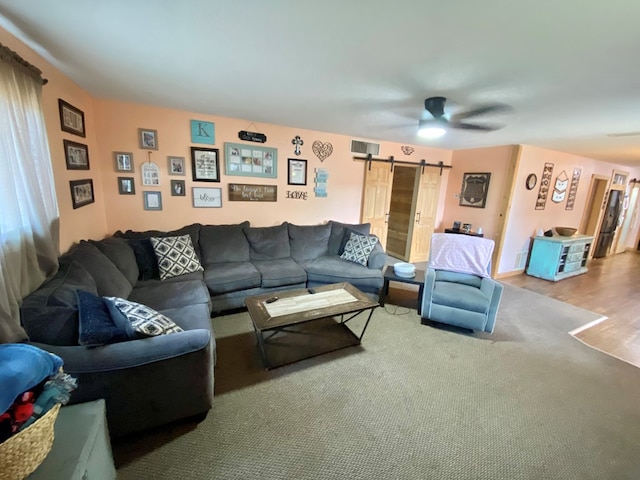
(340, 235)
(280, 272)
(49, 314)
(121, 255)
(96, 325)
(268, 243)
(359, 247)
(457, 295)
(144, 320)
(161, 295)
(146, 259)
(108, 279)
(325, 270)
(175, 255)
(231, 276)
(309, 241)
(224, 243)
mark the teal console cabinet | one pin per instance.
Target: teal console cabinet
(556, 258)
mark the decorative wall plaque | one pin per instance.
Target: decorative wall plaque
(545, 182)
(475, 187)
(573, 189)
(252, 136)
(239, 192)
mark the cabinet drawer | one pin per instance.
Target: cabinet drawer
(574, 257)
(576, 247)
(572, 267)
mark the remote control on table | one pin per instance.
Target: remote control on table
(271, 300)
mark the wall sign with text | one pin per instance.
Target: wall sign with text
(239, 192)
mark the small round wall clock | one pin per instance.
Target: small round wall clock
(532, 179)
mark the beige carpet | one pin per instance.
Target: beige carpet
(413, 402)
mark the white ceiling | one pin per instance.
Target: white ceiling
(569, 68)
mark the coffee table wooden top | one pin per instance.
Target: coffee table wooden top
(298, 306)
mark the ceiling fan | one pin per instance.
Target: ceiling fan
(439, 122)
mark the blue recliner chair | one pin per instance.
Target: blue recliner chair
(458, 289)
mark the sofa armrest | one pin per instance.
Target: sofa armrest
(377, 258)
(134, 353)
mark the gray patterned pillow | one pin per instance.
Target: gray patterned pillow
(176, 256)
(145, 320)
(359, 247)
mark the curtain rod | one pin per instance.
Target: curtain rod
(12, 57)
(422, 163)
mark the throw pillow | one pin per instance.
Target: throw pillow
(96, 325)
(143, 319)
(358, 248)
(176, 256)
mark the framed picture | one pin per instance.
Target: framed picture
(474, 190)
(76, 155)
(81, 192)
(177, 188)
(123, 161)
(297, 172)
(71, 118)
(152, 200)
(126, 186)
(148, 139)
(250, 160)
(204, 197)
(176, 165)
(203, 132)
(456, 225)
(205, 164)
(150, 174)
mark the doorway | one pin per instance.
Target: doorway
(401, 212)
(594, 208)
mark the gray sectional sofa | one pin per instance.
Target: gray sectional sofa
(144, 381)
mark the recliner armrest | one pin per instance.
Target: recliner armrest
(493, 290)
(427, 292)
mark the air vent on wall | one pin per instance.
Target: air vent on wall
(364, 148)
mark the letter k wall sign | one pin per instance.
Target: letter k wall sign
(203, 132)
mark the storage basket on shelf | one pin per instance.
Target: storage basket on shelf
(22, 453)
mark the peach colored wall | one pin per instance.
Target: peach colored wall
(494, 160)
(524, 219)
(88, 221)
(118, 123)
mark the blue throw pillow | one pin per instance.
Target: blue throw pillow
(96, 325)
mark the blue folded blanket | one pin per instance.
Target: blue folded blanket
(22, 367)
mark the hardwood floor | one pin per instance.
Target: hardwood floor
(610, 287)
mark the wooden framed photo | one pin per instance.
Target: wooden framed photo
(250, 160)
(152, 200)
(177, 188)
(123, 161)
(297, 172)
(204, 197)
(81, 192)
(176, 165)
(147, 139)
(126, 186)
(71, 118)
(205, 164)
(76, 155)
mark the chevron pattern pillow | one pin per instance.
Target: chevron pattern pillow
(359, 247)
(176, 256)
(144, 320)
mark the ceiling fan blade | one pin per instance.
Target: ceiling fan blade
(482, 110)
(471, 126)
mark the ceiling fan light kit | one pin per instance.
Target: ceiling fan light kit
(439, 123)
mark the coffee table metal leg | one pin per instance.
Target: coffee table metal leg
(420, 293)
(263, 352)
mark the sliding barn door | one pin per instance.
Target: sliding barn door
(426, 207)
(378, 181)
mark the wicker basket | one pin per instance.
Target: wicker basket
(22, 453)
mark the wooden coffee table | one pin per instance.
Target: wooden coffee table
(305, 323)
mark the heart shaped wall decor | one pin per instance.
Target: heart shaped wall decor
(322, 150)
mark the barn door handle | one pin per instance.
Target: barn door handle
(418, 217)
(386, 218)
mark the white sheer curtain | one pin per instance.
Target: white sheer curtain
(28, 206)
